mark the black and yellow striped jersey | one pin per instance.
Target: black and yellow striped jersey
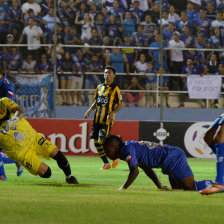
(107, 97)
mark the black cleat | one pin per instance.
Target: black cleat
(71, 180)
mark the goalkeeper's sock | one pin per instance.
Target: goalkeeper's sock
(220, 163)
(63, 163)
(200, 185)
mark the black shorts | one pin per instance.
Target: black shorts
(100, 131)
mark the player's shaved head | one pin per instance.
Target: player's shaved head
(112, 145)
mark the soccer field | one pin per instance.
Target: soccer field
(30, 199)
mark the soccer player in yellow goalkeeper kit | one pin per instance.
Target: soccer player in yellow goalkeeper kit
(24, 145)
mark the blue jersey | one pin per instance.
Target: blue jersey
(171, 159)
(6, 88)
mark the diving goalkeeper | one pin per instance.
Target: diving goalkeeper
(24, 145)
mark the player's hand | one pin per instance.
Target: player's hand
(110, 116)
(87, 114)
(11, 123)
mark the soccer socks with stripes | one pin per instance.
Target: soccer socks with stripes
(100, 150)
(220, 163)
(63, 163)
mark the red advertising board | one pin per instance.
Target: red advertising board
(72, 136)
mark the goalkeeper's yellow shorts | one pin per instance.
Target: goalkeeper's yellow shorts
(40, 147)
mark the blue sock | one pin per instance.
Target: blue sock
(220, 163)
(2, 170)
(5, 159)
(200, 185)
(213, 147)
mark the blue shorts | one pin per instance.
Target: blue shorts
(175, 164)
(217, 122)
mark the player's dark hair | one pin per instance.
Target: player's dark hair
(112, 68)
(113, 140)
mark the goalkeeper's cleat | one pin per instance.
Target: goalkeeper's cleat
(115, 163)
(71, 180)
(215, 188)
(2, 178)
(106, 166)
(19, 170)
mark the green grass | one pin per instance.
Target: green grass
(30, 199)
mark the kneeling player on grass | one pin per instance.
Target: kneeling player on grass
(214, 137)
(148, 155)
(23, 144)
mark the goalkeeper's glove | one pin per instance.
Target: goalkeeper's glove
(11, 123)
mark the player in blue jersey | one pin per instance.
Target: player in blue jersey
(214, 137)
(148, 155)
(7, 90)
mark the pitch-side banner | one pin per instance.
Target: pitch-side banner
(204, 87)
(72, 136)
(186, 135)
(35, 95)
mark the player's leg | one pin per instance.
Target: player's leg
(63, 163)
(7, 160)
(2, 170)
(44, 170)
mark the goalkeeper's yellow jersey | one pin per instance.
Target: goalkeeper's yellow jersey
(20, 139)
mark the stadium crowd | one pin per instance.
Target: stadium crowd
(123, 24)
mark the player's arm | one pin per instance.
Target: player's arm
(152, 175)
(92, 107)
(131, 177)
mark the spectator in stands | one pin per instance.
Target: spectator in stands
(202, 24)
(216, 40)
(95, 40)
(67, 66)
(136, 10)
(183, 21)
(15, 15)
(87, 24)
(139, 39)
(141, 64)
(77, 79)
(131, 53)
(150, 84)
(99, 24)
(129, 24)
(187, 37)
(106, 16)
(173, 16)
(165, 20)
(117, 11)
(92, 81)
(192, 14)
(144, 5)
(204, 3)
(154, 54)
(118, 60)
(49, 19)
(33, 34)
(112, 29)
(213, 64)
(29, 65)
(176, 61)
(134, 98)
(196, 56)
(210, 11)
(44, 66)
(168, 33)
(148, 26)
(4, 25)
(179, 5)
(71, 36)
(155, 13)
(37, 19)
(218, 23)
(200, 42)
(65, 14)
(30, 4)
(13, 60)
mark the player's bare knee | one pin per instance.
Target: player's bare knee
(47, 174)
(54, 152)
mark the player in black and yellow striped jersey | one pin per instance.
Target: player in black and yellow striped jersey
(108, 101)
